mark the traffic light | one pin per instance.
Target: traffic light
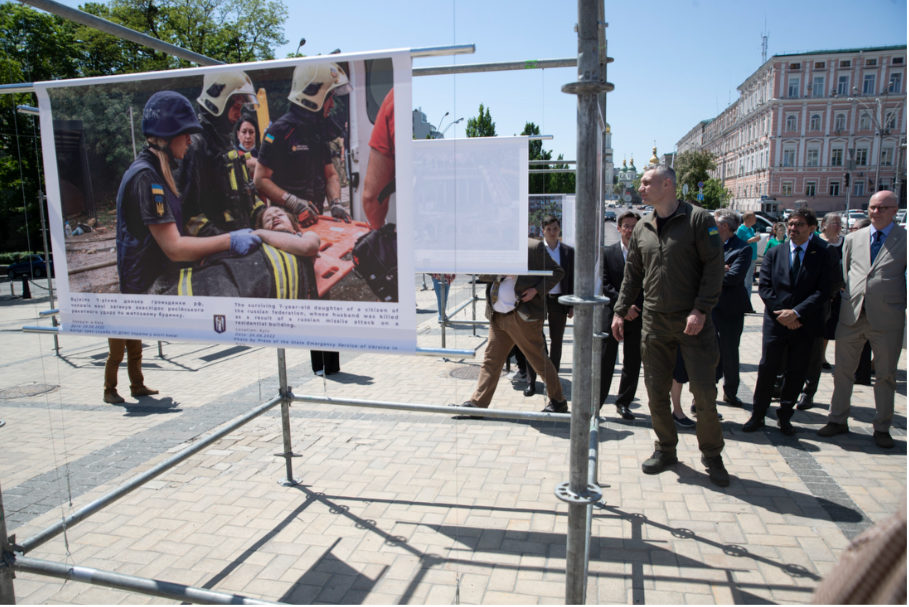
(846, 176)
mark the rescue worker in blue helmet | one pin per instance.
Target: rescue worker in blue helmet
(150, 222)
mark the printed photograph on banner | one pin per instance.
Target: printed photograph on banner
(271, 181)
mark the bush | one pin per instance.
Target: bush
(8, 258)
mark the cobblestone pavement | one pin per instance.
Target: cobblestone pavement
(413, 508)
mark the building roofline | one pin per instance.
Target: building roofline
(872, 49)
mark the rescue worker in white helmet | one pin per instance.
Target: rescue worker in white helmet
(150, 235)
(295, 168)
(218, 193)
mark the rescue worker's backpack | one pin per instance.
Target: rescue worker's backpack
(375, 259)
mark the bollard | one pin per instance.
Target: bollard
(26, 292)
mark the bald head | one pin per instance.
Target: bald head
(882, 209)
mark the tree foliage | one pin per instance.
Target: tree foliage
(692, 167)
(482, 125)
(551, 183)
(37, 46)
(715, 195)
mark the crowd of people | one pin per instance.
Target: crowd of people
(680, 284)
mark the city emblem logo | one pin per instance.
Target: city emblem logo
(220, 323)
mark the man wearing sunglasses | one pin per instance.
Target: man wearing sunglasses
(796, 280)
(873, 309)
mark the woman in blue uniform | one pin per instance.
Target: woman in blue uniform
(150, 232)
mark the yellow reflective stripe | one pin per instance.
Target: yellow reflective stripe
(228, 216)
(233, 180)
(185, 284)
(280, 280)
(290, 264)
(195, 224)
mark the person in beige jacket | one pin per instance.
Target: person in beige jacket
(873, 309)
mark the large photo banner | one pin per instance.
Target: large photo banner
(251, 203)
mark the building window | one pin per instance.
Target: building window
(819, 65)
(795, 66)
(787, 188)
(834, 188)
(815, 123)
(788, 158)
(884, 185)
(846, 63)
(794, 86)
(836, 157)
(871, 62)
(791, 124)
(896, 81)
(813, 156)
(842, 87)
(865, 121)
(859, 189)
(839, 123)
(817, 88)
(887, 157)
(810, 188)
(868, 84)
(861, 157)
(897, 61)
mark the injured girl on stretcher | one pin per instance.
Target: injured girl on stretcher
(282, 268)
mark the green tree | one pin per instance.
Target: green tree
(561, 183)
(538, 183)
(692, 167)
(482, 125)
(715, 195)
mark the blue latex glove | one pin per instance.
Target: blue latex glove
(243, 242)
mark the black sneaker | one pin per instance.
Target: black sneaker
(716, 470)
(556, 407)
(658, 461)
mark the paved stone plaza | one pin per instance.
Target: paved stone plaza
(412, 508)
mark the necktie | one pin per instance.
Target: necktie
(796, 264)
(877, 244)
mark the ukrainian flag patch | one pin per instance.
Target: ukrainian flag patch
(269, 138)
(713, 231)
(156, 189)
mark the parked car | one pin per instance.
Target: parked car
(30, 265)
(853, 217)
(901, 217)
(609, 216)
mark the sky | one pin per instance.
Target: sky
(677, 62)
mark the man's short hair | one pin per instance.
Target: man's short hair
(748, 215)
(627, 215)
(805, 213)
(548, 219)
(661, 171)
(861, 223)
(728, 217)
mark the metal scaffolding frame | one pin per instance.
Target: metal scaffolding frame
(580, 492)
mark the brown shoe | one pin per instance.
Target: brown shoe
(143, 391)
(832, 429)
(113, 398)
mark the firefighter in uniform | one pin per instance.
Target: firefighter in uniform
(216, 186)
(295, 168)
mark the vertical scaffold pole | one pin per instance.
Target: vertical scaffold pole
(7, 592)
(473, 301)
(579, 494)
(286, 397)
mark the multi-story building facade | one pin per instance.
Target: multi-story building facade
(788, 138)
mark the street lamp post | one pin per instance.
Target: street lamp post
(440, 122)
(451, 125)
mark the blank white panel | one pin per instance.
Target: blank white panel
(470, 205)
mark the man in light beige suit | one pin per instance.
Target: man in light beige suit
(873, 309)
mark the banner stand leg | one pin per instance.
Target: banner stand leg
(286, 398)
(7, 592)
(160, 350)
(473, 300)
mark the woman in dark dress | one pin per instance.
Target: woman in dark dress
(831, 226)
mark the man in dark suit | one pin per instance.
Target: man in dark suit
(516, 312)
(558, 314)
(735, 302)
(613, 272)
(796, 280)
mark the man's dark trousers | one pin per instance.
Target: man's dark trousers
(729, 329)
(797, 349)
(631, 363)
(557, 314)
(815, 365)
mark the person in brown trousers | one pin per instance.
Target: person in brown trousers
(137, 388)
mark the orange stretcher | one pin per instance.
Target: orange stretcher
(338, 240)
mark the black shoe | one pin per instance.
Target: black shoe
(694, 410)
(785, 427)
(862, 381)
(716, 470)
(467, 405)
(755, 423)
(682, 422)
(883, 440)
(624, 412)
(805, 403)
(556, 407)
(531, 389)
(658, 461)
(832, 429)
(826, 365)
(734, 401)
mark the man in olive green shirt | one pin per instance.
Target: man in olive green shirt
(676, 256)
